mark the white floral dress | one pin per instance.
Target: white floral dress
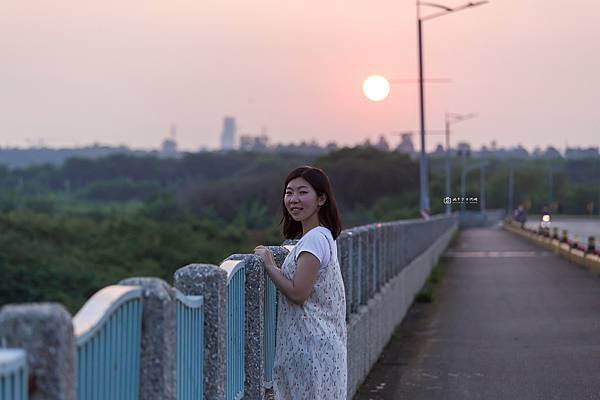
(310, 355)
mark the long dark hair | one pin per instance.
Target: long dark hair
(328, 213)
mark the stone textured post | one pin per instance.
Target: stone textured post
(356, 272)
(365, 269)
(210, 282)
(254, 348)
(372, 261)
(45, 332)
(343, 244)
(159, 339)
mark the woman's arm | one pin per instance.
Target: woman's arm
(299, 288)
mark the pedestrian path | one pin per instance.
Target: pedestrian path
(510, 321)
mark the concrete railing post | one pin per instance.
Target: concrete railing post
(354, 260)
(343, 249)
(158, 351)
(45, 332)
(254, 363)
(363, 264)
(210, 282)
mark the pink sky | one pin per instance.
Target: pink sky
(120, 72)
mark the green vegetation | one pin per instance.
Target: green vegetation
(426, 295)
(66, 232)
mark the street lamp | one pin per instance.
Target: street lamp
(452, 118)
(423, 160)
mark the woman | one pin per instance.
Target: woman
(310, 355)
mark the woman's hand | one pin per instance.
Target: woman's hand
(266, 255)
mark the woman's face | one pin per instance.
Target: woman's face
(301, 199)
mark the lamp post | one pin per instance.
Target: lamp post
(423, 178)
(511, 189)
(450, 119)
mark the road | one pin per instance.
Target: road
(509, 321)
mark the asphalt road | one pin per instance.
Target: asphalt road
(509, 321)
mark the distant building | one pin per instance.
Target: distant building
(382, 144)
(228, 133)
(254, 143)
(463, 149)
(439, 151)
(304, 148)
(331, 146)
(169, 146)
(577, 153)
(406, 144)
(518, 152)
(552, 154)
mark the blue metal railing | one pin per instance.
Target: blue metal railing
(236, 327)
(13, 374)
(190, 347)
(108, 334)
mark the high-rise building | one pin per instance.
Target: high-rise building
(228, 133)
(169, 146)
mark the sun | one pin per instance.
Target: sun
(376, 88)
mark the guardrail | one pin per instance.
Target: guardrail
(236, 328)
(585, 256)
(190, 347)
(212, 335)
(108, 334)
(13, 374)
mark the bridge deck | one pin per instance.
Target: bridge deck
(510, 321)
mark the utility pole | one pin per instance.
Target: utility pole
(511, 189)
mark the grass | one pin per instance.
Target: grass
(426, 294)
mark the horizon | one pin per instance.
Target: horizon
(530, 151)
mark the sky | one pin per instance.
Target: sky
(121, 72)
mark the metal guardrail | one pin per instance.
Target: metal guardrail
(236, 327)
(190, 347)
(108, 335)
(13, 374)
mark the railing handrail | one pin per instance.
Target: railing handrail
(231, 267)
(189, 301)
(100, 307)
(11, 360)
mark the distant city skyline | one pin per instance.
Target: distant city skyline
(241, 140)
(119, 73)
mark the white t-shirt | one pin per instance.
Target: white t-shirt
(319, 242)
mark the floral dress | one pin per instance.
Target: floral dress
(310, 355)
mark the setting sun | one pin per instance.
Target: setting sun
(376, 87)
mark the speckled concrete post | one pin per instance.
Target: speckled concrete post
(254, 349)
(389, 250)
(381, 256)
(45, 331)
(343, 244)
(159, 339)
(364, 269)
(356, 274)
(371, 266)
(210, 282)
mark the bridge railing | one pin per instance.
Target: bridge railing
(108, 334)
(236, 327)
(13, 374)
(213, 333)
(190, 347)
